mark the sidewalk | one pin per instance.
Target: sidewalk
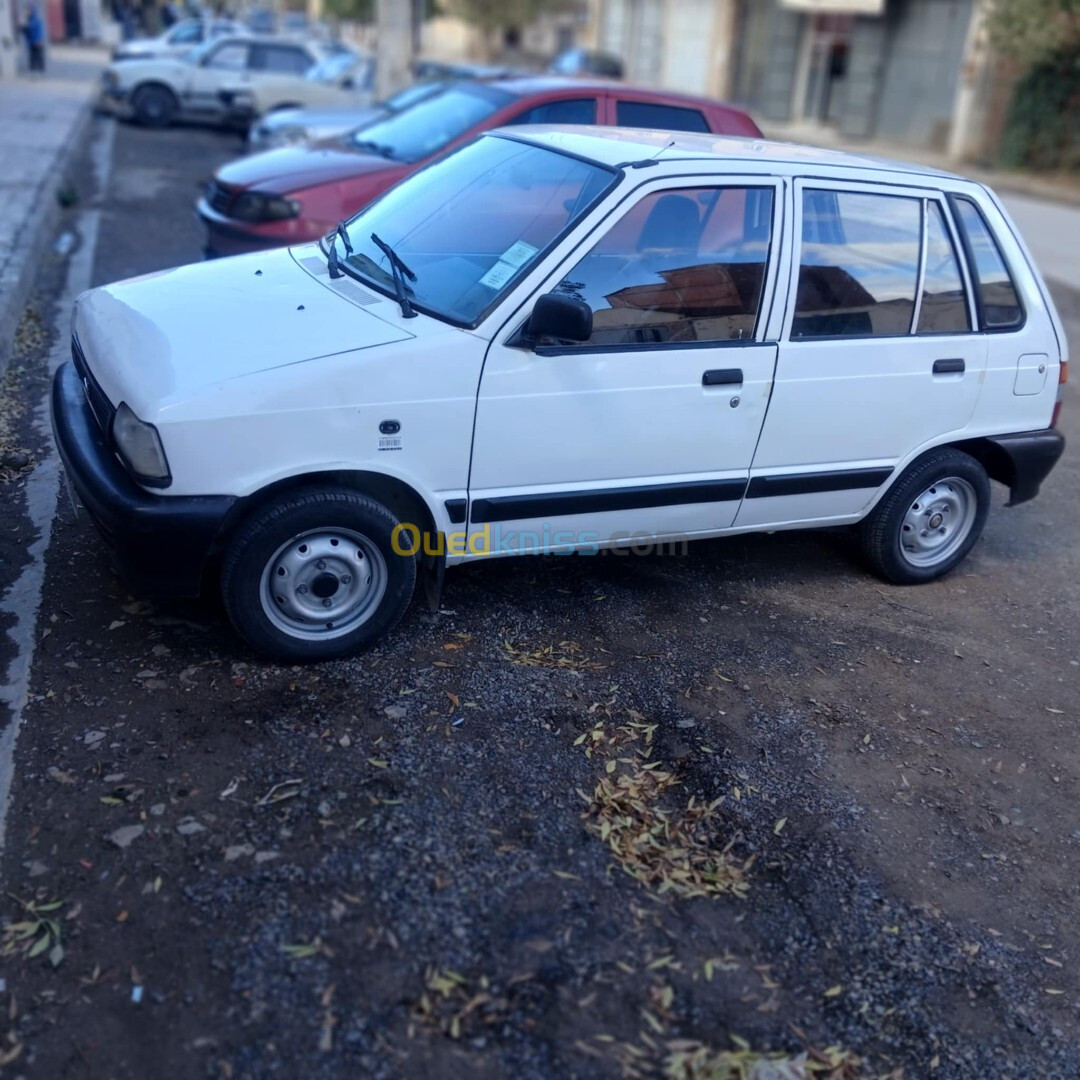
(42, 124)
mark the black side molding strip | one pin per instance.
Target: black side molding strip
(560, 503)
(762, 487)
(455, 510)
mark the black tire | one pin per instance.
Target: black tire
(909, 539)
(154, 105)
(309, 547)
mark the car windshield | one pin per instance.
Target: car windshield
(417, 133)
(472, 224)
(405, 99)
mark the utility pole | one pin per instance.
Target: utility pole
(394, 47)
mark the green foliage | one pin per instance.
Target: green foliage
(500, 14)
(1043, 130)
(1032, 31)
(361, 11)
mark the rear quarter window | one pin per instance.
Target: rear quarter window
(998, 300)
(646, 114)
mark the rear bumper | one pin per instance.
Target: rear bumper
(1031, 456)
(160, 543)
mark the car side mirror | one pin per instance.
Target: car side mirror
(559, 316)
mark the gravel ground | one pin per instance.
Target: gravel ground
(861, 803)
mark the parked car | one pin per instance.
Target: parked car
(302, 127)
(296, 194)
(178, 39)
(565, 340)
(228, 81)
(578, 61)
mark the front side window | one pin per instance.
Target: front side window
(679, 266)
(469, 226)
(229, 57)
(944, 307)
(186, 33)
(999, 304)
(569, 111)
(644, 114)
(859, 265)
(418, 133)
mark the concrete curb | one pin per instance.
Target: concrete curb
(37, 233)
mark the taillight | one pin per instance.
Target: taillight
(1063, 373)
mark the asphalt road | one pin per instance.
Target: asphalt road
(412, 863)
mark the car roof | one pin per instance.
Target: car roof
(552, 83)
(615, 145)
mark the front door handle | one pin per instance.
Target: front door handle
(722, 377)
(949, 367)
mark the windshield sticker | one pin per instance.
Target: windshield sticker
(498, 275)
(518, 254)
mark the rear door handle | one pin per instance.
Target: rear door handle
(722, 377)
(949, 367)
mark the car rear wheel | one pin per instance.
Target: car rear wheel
(315, 577)
(154, 106)
(929, 520)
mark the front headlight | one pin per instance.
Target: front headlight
(140, 446)
(262, 206)
(289, 136)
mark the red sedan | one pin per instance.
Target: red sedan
(298, 194)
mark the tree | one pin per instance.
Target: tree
(1031, 31)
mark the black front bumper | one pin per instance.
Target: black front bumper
(160, 543)
(1030, 456)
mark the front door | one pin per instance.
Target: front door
(878, 357)
(223, 68)
(647, 430)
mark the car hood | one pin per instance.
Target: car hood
(293, 168)
(336, 119)
(154, 341)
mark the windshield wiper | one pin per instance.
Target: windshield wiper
(344, 234)
(332, 256)
(399, 271)
(378, 148)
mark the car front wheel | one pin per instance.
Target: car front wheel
(315, 576)
(929, 520)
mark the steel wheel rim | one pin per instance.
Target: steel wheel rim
(323, 584)
(938, 522)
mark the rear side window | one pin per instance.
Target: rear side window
(574, 111)
(278, 60)
(859, 265)
(999, 303)
(679, 266)
(944, 306)
(644, 114)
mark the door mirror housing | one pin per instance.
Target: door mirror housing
(559, 316)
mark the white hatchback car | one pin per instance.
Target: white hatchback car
(565, 340)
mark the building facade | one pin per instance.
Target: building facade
(902, 71)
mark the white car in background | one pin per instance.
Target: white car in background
(565, 339)
(228, 81)
(178, 39)
(301, 127)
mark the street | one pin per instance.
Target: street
(406, 864)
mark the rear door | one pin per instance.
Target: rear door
(880, 355)
(648, 429)
(275, 72)
(626, 109)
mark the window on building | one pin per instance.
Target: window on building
(999, 303)
(859, 265)
(944, 305)
(680, 266)
(572, 111)
(645, 114)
